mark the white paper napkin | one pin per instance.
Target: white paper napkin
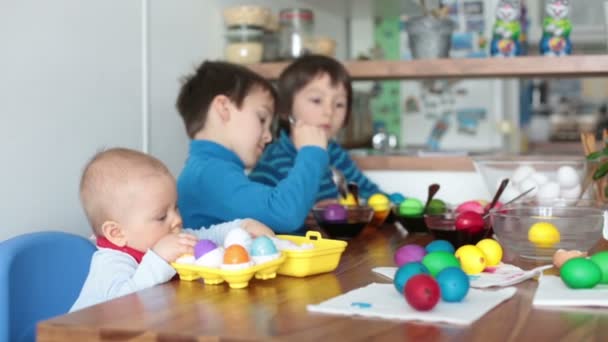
(500, 276)
(552, 291)
(383, 301)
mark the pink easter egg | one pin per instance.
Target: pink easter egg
(473, 206)
(409, 253)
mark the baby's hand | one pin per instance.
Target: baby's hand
(256, 228)
(173, 246)
(308, 135)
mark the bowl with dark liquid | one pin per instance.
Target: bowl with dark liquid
(345, 223)
(443, 227)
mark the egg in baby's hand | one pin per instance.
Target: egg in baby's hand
(236, 258)
(187, 259)
(208, 254)
(238, 236)
(263, 250)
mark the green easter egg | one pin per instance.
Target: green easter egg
(580, 273)
(411, 207)
(435, 262)
(601, 260)
(436, 207)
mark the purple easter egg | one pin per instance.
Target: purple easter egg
(203, 247)
(409, 253)
(335, 212)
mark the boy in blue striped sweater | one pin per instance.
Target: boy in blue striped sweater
(227, 110)
(315, 90)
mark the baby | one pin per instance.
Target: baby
(130, 200)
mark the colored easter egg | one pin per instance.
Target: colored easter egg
(422, 292)
(439, 246)
(473, 206)
(335, 213)
(263, 246)
(235, 254)
(238, 236)
(454, 284)
(492, 250)
(437, 261)
(472, 260)
(378, 202)
(203, 247)
(213, 259)
(470, 221)
(436, 207)
(543, 234)
(411, 207)
(580, 273)
(348, 201)
(396, 198)
(409, 253)
(601, 260)
(405, 272)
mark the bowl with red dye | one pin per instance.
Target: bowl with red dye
(458, 228)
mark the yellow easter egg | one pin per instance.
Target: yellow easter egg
(472, 259)
(543, 235)
(492, 250)
(379, 202)
(348, 201)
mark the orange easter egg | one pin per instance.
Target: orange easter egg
(235, 254)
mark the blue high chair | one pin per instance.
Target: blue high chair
(41, 275)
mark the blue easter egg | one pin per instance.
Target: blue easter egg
(454, 284)
(405, 272)
(262, 246)
(396, 198)
(440, 246)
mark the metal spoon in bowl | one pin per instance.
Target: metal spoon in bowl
(353, 188)
(338, 177)
(433, 188)
(513, 200)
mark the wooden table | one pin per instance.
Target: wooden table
(276, 309)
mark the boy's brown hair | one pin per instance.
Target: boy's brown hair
(302, 71)
(210, 80)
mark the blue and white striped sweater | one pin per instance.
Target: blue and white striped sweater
(278, 159)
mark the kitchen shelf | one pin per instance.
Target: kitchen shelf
(528, 66)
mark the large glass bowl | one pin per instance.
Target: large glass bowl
(579, 223)
(358, 217)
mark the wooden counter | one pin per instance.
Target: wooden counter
(413, 163)
(276, 309)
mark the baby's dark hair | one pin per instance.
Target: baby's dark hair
(304, 70)
(210, 80)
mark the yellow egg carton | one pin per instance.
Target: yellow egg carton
(324, 257)
(236, 279)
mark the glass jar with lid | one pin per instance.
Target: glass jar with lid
(271, 39)
(297, 26)
(244, 44)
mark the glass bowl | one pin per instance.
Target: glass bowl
(579, 225)
(443, 227)
(541, 172)
(357, 219)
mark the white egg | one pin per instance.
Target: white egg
(522, 173)
(526, 185)
(238, 236)
(567, 177)
(548, 193)
(539, 178)
(509, 194)
(265, 258)
(236, 267)
(571, 193)
(187, 259)
(213, 259)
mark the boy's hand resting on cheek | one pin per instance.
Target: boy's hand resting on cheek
(172, 246)
(256, 228)
(308, 135)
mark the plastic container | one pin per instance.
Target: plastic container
(247, 15)
(324, 257)
(236, 279)
(296, 34)
(579, 223)
(244, 45)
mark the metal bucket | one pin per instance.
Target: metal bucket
(430, 37)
